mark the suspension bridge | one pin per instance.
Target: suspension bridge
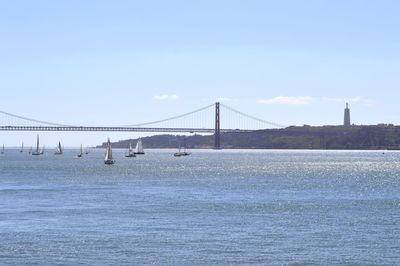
(197, 121)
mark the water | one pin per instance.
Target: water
(213, 207)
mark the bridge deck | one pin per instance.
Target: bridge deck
(117, 129)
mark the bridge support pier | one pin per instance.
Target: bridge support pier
(217, 131)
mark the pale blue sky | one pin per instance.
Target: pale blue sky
(292, 62)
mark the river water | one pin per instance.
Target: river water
(213, 207)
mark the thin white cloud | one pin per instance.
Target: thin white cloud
(290, 100)
(166, 97)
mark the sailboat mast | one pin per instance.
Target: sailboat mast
(109, 150)
(37, 143)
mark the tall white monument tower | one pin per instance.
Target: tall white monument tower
(346, 116)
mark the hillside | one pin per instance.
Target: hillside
(305, 137)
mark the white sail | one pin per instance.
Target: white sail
(109, 153)
(131, 152)
(59, 149)
(38, 151)
(139, 147)
(108, 156)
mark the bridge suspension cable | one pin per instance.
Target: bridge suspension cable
(171, 118)
(252, 117)
(34, 120)
(201, 118)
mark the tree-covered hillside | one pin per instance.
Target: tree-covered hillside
(305, 137)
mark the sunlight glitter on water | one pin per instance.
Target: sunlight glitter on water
(213, 207)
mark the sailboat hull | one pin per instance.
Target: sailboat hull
(109, 162)
(179, 154)
(130, 155)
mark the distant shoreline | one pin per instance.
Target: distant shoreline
(373, 137)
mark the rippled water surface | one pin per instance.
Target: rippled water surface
(213, 207)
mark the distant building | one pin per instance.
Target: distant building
(346, 116)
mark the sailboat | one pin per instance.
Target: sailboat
(59, 149)
(87, 150)
(81, 152)
(22, 147)
(37, 151)
(2, 151)
(139, 147)
(130, 151)
(30, 151)
(108, 158)
(180, 152)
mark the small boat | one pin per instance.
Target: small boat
(108, 156)
(131, 153)
(2, 151)
(22, 147)
(81, 152)
(87, 150)
(59, 149)
(30, 151)
(38, 151)
(139, 147)
(180, 152)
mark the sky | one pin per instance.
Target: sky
(127, 62)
